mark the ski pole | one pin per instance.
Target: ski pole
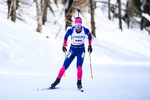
(90, 65)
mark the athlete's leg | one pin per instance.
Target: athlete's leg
(69, 58)
(80, 59)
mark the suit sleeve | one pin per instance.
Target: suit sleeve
(66, 36)
(89, 36)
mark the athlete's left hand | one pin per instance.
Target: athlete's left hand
(90, 49)
(64, 49)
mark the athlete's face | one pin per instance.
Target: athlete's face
(78, 25)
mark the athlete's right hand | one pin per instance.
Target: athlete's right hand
(90, 49)
(64, 49)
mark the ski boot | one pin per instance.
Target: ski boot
(79, 84)
(55, 83)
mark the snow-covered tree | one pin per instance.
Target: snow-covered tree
(145, 20)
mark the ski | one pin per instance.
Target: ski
(47, 88)
(81, 90)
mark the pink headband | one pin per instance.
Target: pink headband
(78, 20)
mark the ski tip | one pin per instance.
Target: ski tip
(50, 88)
(38, 89)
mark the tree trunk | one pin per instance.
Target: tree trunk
(92, 17)
(10, 4)
(39, 16)
(68, 13)
(120, 22)
(48, 4)
(12, 9)
(45, 5)
(142, 21)
(109, 10)
(13, 18)
(55, 1)
(128, 14)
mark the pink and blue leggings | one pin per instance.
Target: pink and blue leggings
(73, 52)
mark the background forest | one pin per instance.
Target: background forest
(135, 13)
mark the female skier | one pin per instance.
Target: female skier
(77, 49)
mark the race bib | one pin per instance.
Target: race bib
(77, 38)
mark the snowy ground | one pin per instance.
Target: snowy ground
(29, 60)
(110, 83)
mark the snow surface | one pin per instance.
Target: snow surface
(29, 60)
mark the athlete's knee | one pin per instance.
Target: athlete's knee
(63, 68)
(79, 68)
(61, 72)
